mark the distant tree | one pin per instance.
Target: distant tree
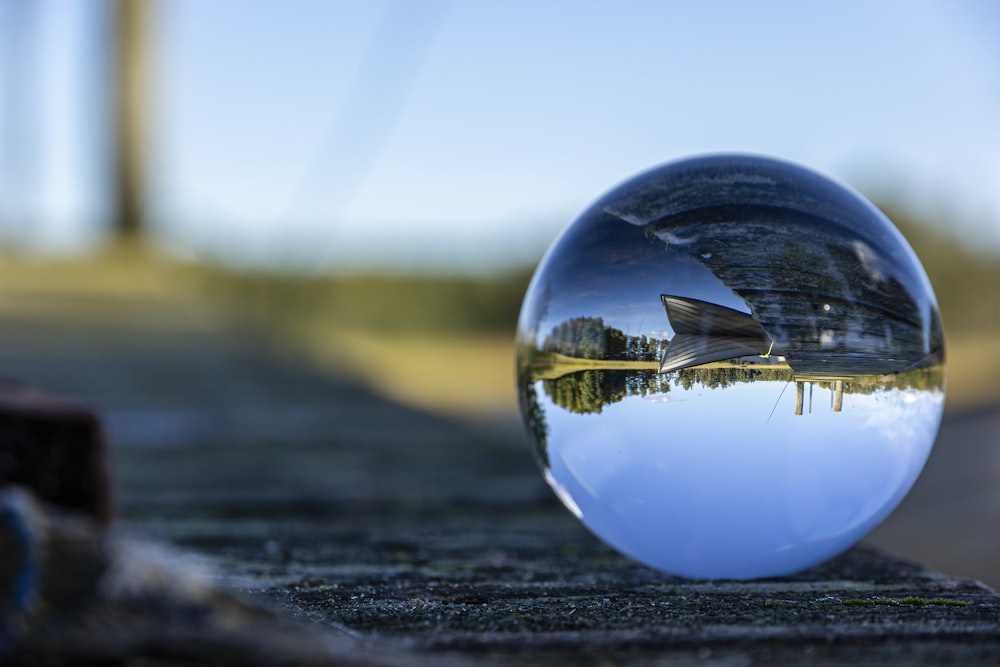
(581, 337)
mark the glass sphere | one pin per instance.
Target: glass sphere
(731, 367)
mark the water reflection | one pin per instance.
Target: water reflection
(590, 391)
(725, 467)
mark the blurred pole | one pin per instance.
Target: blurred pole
(130, 128)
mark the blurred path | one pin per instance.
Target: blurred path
(311, 493)
(173, 379)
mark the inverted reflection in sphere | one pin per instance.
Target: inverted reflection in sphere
(731, 367)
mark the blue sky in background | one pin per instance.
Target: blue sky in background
(402, 134)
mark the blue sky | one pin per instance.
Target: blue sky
(406, 134)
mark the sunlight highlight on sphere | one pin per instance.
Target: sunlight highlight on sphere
(731, 367)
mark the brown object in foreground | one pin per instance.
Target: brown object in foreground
(55, 448)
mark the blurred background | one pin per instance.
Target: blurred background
(367, 186)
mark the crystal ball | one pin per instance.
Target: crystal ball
(731, 367)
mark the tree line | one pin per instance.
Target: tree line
(588, 391)
(591, 338)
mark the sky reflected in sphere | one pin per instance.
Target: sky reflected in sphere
(731, 367)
